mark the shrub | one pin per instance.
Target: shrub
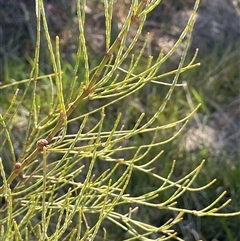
(72, 173)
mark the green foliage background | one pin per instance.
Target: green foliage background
(22, 202)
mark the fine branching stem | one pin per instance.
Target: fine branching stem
(90, 158)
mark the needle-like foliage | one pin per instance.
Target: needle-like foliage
(75, 186)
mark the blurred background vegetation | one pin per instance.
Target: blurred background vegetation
(212, 134)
